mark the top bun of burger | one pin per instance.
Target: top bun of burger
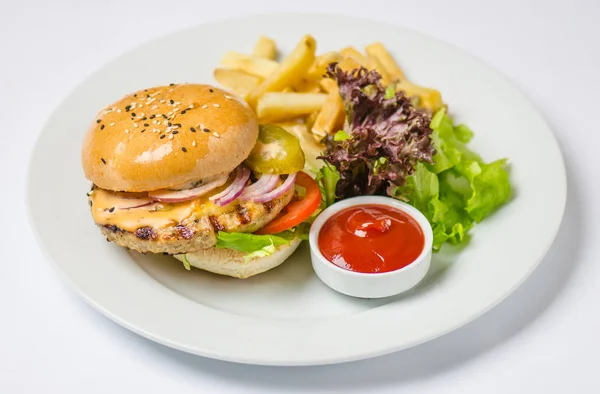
(168, 137)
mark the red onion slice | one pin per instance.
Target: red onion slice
(265, 184)
(131, 203)
(234, 190)
(285, 186)
(170, 196)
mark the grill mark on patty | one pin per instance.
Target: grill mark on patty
(243, 215)
(113, 228)
(215, 223)
(145, 233)
(185, 232)
(268, 205)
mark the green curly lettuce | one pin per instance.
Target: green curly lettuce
(261, 245)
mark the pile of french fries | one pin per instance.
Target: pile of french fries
(295, 93)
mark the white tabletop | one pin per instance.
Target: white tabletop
(543, 339)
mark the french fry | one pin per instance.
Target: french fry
(353, 53)
(265, 48)
(310, 120)
(289, 72)
(307, 86)
(328, 84)
(349, 64)
(257, 66)
(237, 81)
(372, 63)
(428, 98)
(277, 106)
(319, 66)
(331, 118)
(378, 51)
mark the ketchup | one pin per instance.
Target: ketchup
(371, 239)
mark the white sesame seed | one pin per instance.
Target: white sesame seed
(191, 106)
(154, 130)
(204, 106)
(112, 124)
(170, 113)
(228, 97)
(141, 105)
(175, 109)
(193, 143)
(151, 101)
(154, 94)
(216, 105)
(135, 125)
(154, 122)
(162, 101)
(216, 134)
(170, 136)
(119, 110)
(154, 106)
(127, 131)
(177, 102)
(133, 105)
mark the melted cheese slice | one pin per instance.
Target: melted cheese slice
(110, 208)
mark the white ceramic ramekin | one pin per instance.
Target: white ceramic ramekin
(371, 285)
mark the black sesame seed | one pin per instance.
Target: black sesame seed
(162, 136)
(144, 118)
(206, 130)
(133, 114)
(145, 90)
(111, 209)
(127, 108)
(103, 161)
(142, 130)
(102, 127)
(172, 101)
(146, 125)
(183, 112)
(147, 96)
(183, 149)
(171, 84)
(152, 116)
(98, 121)
(135, 95)
(178, 124)
(193, 129)
(210, 90)
(175, 132)
(169, 124)
(164, 116)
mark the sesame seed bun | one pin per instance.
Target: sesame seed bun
(167, 137)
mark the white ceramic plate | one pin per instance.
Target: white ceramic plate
(287, 316)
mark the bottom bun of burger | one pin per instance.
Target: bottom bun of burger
(233, 263)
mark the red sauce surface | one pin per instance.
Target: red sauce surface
(371, 239)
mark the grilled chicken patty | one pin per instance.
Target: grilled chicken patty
(195, 232)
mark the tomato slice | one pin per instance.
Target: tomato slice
(296, 211)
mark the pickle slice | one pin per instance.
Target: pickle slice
(276, 152)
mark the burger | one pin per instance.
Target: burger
(186, 170)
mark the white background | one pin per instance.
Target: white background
(545, 338)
